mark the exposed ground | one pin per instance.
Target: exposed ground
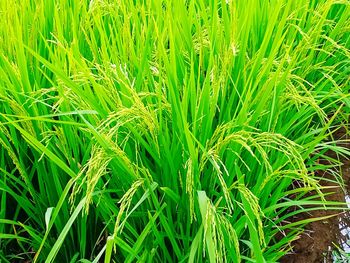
(317, 242)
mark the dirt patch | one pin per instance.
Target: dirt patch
(317, 242)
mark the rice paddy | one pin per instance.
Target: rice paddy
(168, 131)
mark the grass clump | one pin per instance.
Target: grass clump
(166, 131)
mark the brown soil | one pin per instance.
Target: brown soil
(317, 241)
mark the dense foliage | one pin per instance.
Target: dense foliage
(167, 131)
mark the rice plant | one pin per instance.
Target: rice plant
(167, 131)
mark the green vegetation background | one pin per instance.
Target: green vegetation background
(166, 131)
